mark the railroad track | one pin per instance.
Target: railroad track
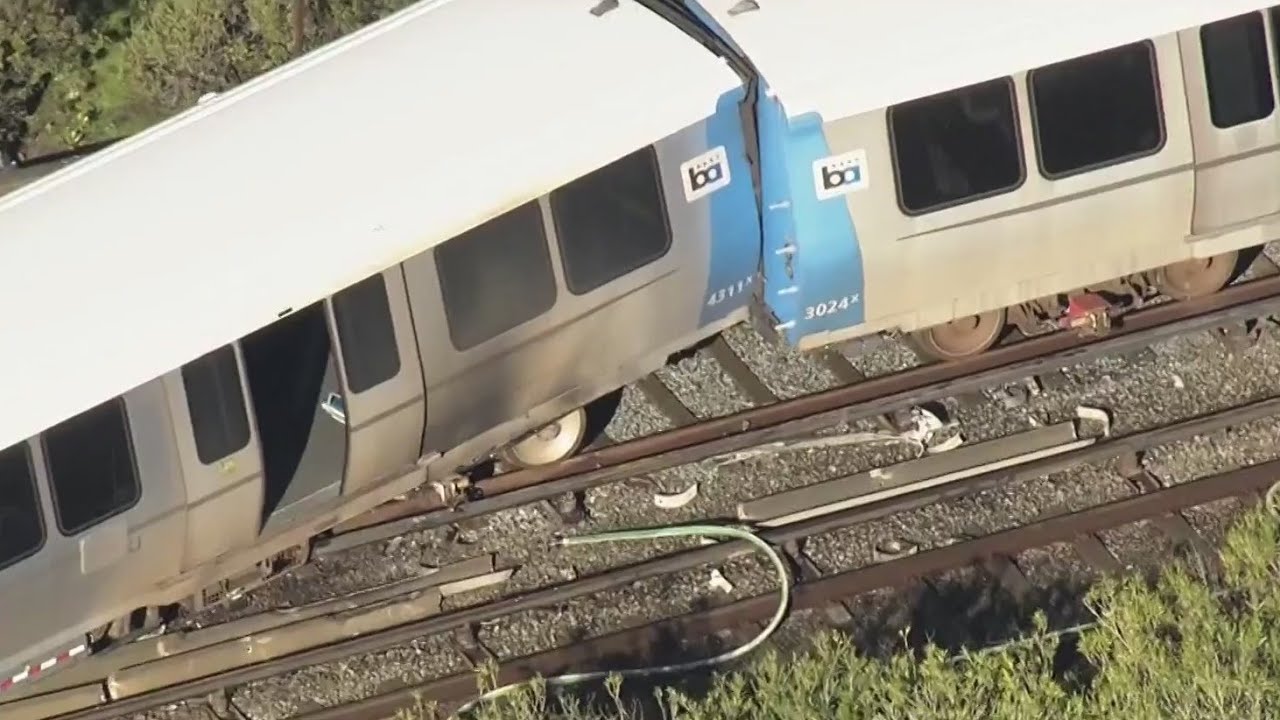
(733, 622)
(795, 516)
(777, 420)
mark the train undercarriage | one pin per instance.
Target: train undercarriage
(1088, 310)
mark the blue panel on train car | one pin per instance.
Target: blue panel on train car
(812, 261)
(724, 173)
(813, 278)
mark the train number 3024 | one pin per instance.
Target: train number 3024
(831, 307)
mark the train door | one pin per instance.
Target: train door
(1230, 70)
(292, 373)
(114, 525)
(337, 395)
(219, 451)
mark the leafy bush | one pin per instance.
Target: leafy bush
(181, 49)
(1176, 649)
(117, 66)
(41, 46)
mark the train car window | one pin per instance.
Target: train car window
(21, 527)
(956, 147)
(1236, 70)
(611, 221)
(496, 276)
(215, 401)
(1097, 110)
(91, 466)
(362, 313)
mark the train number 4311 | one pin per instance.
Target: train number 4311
(730, 291)
(831, 307)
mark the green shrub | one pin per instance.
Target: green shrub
(41, 48)
(181, 49)
(1177, 649)
(118, 66)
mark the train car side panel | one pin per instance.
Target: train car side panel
(614, 266)
(118, 524)
(947, 236)
(1229, 70)
(722, 175)
(812, 257)
(157, 525)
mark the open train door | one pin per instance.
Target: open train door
(337, 394)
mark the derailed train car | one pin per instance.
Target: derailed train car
(523, 222)
(952, 170)
(527, 219)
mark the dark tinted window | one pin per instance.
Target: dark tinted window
(496, 276)
(91, 468)
(611, 221)
(21, 528)
(1236, 70)
(956, 146)
(1097, 110)
(215, 402)
(362, 313)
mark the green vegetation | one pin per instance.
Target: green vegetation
(74, 72)
(1174, 649)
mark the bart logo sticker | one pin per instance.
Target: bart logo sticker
(705, 174)
(840, 174)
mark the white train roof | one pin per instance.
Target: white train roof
(146, 255)
(842, 57)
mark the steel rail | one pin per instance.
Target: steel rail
(640, 643)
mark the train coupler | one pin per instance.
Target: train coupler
(1089, 314)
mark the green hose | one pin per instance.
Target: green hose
(738, 533)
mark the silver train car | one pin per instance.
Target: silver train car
(214, 476)
(1134, 152)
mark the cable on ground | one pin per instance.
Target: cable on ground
(721, 531)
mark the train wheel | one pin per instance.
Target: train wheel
(961, 338)
(552, 443)
(1197, 277)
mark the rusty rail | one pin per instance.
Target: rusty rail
(641, 643)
